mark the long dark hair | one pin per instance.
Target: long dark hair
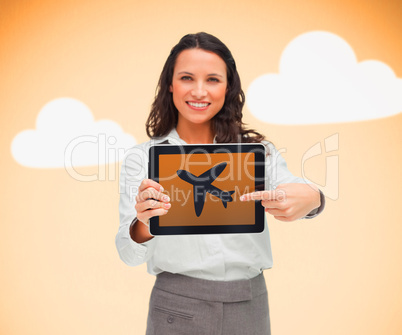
(227, 124)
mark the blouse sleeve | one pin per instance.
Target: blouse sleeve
(277, 173)
(133, 171)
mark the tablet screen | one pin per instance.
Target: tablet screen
(204, 184)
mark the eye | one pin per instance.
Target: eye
(213, 79)
(186, 78)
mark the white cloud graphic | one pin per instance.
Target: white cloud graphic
(320, 81)
(66, 135)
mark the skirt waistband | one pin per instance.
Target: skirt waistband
(210, 290)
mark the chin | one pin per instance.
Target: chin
(200, 122)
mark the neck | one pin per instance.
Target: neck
(195, 134)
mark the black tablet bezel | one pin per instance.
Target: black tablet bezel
(259, 173)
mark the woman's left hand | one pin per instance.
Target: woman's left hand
(288, 202)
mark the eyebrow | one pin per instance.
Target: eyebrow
(209, 75)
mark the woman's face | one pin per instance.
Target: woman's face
(198, 86)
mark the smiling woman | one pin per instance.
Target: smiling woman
(206, 284)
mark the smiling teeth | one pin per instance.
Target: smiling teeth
(198, 105)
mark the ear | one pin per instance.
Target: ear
(170, 89)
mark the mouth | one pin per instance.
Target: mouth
(198, 105)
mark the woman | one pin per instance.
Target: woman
(206, 284)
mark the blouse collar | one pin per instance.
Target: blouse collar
(174, 138)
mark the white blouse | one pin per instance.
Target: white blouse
(222, 257)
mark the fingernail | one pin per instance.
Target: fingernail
(242, 198)
(161, 189)
(166, 211)
(167, 206)
(165, 198)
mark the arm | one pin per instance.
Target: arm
(287, 198)
(134, 243)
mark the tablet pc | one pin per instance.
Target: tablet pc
(204, 183)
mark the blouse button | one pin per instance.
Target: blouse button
(170, 319)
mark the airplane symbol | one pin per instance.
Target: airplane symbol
(203, 185)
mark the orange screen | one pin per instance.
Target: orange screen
(238, 176)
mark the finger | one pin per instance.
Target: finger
(273, 212)
(260, 195)
(285, 218)
(146, 183)
(266, 195)
(277, 212)
(151, 193)
(145, 216)
(274, 204)
(151, 204)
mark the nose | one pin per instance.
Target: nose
(199, 91)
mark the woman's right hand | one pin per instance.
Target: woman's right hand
(150, 202)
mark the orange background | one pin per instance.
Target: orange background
(337, 274)
(235, 177)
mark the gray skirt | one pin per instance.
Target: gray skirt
(182, 305)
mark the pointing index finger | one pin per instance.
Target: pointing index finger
(278, 194)
(260, 195)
